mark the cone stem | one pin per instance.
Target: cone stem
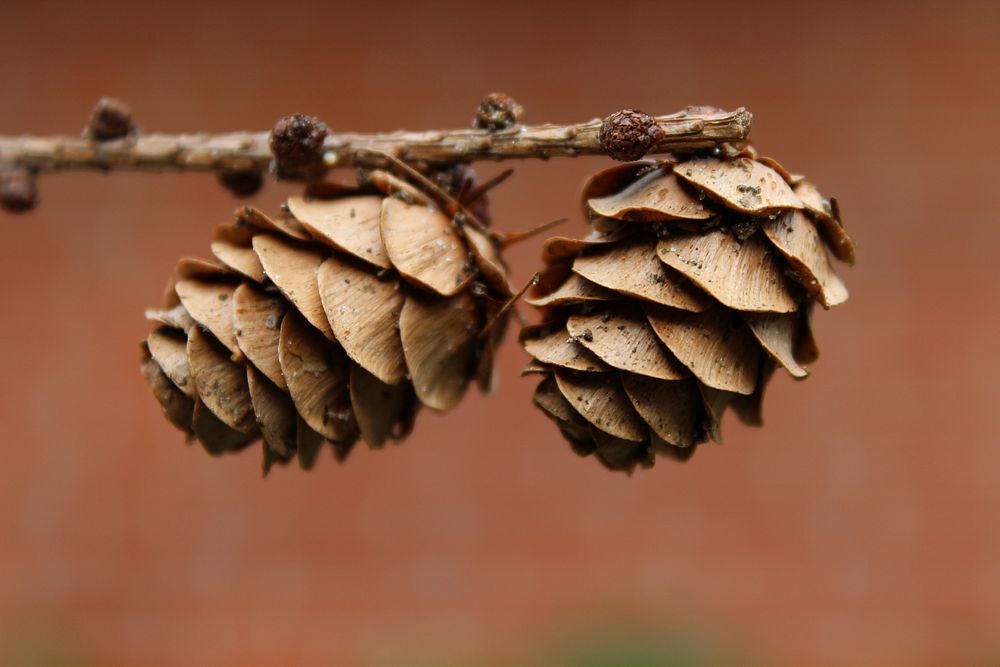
(684, 131)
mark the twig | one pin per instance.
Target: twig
(472, 196)
(507, 306)
(685, 131)
(448, 202)
(507, 239)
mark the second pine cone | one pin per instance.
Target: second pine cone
(335, 320)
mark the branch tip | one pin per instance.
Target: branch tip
(18, 191)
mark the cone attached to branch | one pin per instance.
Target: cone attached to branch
(696, 282)
(335, 320)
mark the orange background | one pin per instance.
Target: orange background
(860, 526)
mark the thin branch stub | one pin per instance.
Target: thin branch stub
(18, 191)
(242, 183)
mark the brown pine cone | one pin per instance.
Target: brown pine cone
(696, 282)
(337, 319)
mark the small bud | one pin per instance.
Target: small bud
(297, 145)
(629, 134)
(497, 111)
(242, 182)
(110, 119)
(18, 192)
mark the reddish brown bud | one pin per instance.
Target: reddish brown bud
(110, 119)
(243, 182)
(497, 111)
(18, 192)
(297, 144)
(628, 134)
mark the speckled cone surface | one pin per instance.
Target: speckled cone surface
(335, 320)
(696, 283)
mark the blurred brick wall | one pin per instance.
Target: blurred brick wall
(858, 527)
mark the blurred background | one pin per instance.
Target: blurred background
(859, 527)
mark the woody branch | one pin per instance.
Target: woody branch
(112, 142)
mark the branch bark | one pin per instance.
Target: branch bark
(685, 131)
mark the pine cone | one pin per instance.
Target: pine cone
(696, 282)
(335, 320)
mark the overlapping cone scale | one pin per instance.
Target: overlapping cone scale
(333, 321)
(695, 284)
